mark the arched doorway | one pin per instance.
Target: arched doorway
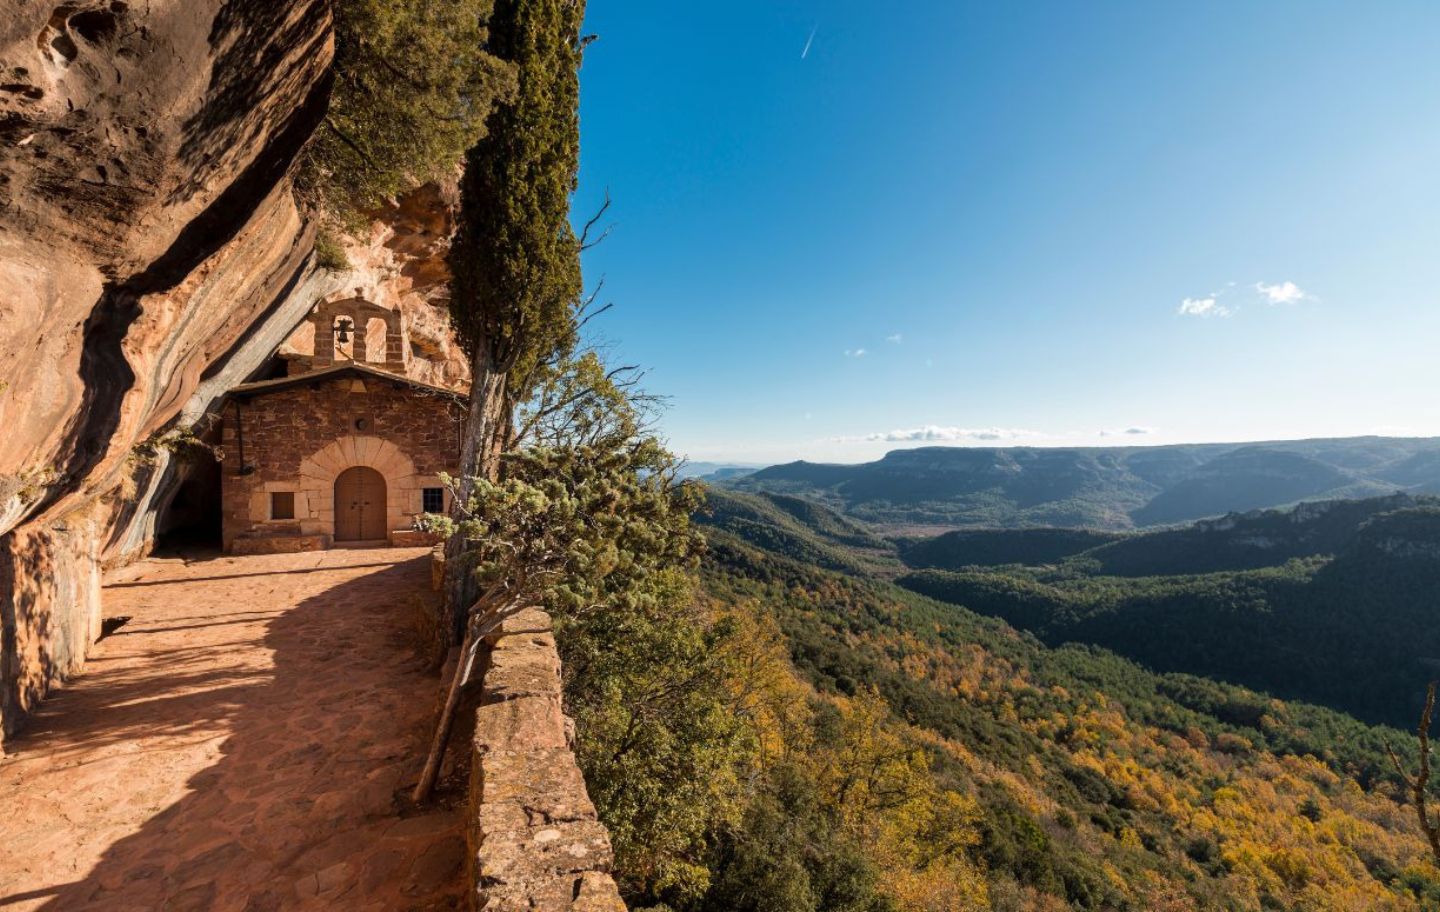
(360, 505)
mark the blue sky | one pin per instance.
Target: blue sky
(1006, 207)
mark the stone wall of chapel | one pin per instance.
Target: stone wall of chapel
(300, 439)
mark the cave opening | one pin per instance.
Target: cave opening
(191, 520)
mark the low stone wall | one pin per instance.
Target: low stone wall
(49, 612)
(535, 841)
(278, 544)
(413, 538)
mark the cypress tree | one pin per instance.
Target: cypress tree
(515, 259)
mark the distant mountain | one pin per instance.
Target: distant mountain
(1250, 478)
(1113, 488)
(716, 471)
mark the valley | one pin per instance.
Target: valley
(1189, 718)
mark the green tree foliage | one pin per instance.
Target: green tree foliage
(789, 855)
(516, 258)
(586, 518)
(577, 528)
(1098, 784)
(414, 83)
(658, 738)
(583, 528)
(1336, 610)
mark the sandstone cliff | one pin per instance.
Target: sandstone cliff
(148, 232)
(152, 255)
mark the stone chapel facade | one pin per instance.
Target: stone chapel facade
(343, 449)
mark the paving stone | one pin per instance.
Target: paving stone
(237, 748)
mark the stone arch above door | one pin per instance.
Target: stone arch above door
(319, 471)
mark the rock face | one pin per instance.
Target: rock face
(152, 256)
(143, 151)
(148, 238)
(398, 265)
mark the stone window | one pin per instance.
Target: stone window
(282, 505)
(432, 500)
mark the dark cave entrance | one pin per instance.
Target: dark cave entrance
(192, 517)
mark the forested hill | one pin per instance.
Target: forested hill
(1042, 778)
(1333, 602)
(1105, 488)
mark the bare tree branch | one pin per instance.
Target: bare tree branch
(1418, 785)
(585, 243)
(590, 316)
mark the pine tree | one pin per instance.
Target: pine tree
(414, 81)
(580, 529)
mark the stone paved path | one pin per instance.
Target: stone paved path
(244, 743)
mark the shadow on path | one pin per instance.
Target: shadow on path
(193, 768)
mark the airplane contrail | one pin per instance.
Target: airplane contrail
(809, 41)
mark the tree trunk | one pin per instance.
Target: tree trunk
(443, 724)
(486, 433)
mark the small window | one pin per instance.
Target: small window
(282, 505)
(432, 500)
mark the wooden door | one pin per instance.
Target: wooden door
(360, 505)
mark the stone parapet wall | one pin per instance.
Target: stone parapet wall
(49, 611)
(535, 840)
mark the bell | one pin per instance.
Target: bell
(342, 331)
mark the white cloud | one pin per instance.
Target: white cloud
(854, 352)
(1283, 293)
(1210, 306)
(934, 433)
(1203, 307)
(897, 338)
(1135, 431)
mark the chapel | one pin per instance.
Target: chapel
(341, 446)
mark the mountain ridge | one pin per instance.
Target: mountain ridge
(1110, 488)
